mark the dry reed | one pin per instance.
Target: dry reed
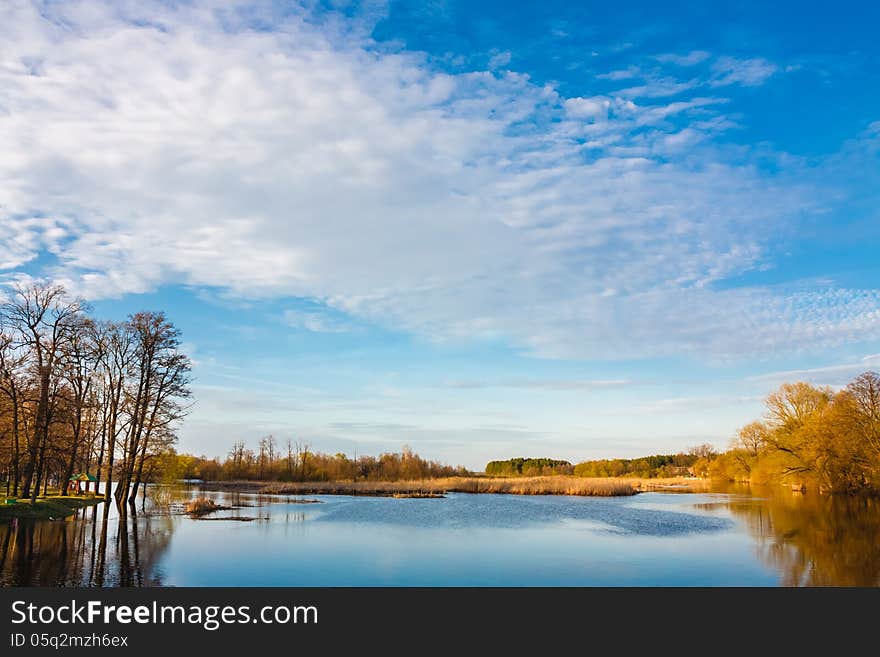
(551, 485)
(680, 484)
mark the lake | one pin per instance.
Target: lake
(652, 539)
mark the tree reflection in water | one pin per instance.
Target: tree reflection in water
(809, 540)
(91, 548)
(815, 540)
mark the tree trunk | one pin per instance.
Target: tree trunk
(132, 444)
(138, 475)
(101, 456)
(41, 435)
(29, 466)
(15, 446)
(108, 485)
(35, 490)
(72, 462)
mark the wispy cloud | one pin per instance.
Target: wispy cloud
(373, 427)
(684, 405)
(620, 74)
(499, 60)
(834, 374)
(746, 72)
(541, 384)
(659, 87)
(149, 144)
(692, 58)
(316, 322)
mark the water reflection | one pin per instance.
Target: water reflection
(813, 540)
(736, 537)
(92, 548)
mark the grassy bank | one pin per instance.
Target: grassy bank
(45, 508)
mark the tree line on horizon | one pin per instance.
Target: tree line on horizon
(528, 467)
(296, 461)
(810, 436)
(84, 395)
(644, 467)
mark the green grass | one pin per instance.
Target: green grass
(46, 508)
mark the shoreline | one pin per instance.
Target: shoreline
(429, 488)
(53, 507)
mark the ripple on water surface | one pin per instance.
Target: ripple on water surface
(619, 515)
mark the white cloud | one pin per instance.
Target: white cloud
(26, 235)
(832, 374)
(316, 322)
(693, 58)
(588, 108)
(659, 87)
(746, 72)
(678, 405)
(310, 162)
(620, 74)
(499, 60)
(545, 384)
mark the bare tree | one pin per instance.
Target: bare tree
(44, 319)
(12, 382)
(166, 409)
(704, 451)
(751, 438)
(78, 371)
(302, 452)
(790, 406)
(865, 392)
(116, 349)
(237, 456)
(159, 381)
(76, 392)
(289, 459)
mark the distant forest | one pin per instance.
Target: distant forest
(294, 460)
(812, 437)
(527, 467)
(645, 467)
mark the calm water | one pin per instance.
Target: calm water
(653, 539)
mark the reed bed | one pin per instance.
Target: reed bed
(426, 488)
(551, 485)
(672, 484)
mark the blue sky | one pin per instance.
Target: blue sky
(480, 229)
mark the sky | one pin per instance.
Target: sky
(484, 230)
